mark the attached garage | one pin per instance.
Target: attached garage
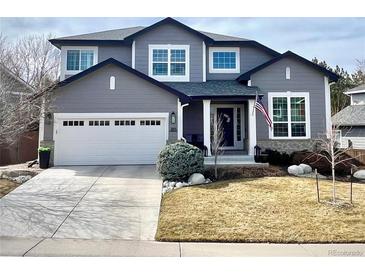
(109, 139)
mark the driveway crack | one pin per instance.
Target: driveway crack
(72, 210)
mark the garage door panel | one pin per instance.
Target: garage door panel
(117, 141)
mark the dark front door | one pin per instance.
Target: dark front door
(226, 114)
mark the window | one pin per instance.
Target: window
(99, 123)
(224, 60)
(112, 82)
(169, 62)
(287, 73)
(73, 123)
(238, 124)
(77, 59)
(150, 123)
(290, 115)
(125, 123)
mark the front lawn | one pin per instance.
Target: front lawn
(269, 209)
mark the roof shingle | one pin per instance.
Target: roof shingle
(350, 116)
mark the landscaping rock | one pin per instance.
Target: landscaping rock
(172, 184)
(208, 181)
(179, 185)
(165, 184)
(360, 174)
(196, 179)
(295, 170)
(306, 168)
(21, 179)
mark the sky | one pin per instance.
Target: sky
(338, 41)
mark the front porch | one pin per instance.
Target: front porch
(238, 122)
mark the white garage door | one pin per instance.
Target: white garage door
(109, 141)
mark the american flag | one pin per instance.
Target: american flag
(260, 107)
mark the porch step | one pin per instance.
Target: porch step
(236, 160)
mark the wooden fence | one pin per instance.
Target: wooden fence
(359, 154)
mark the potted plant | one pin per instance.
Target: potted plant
(44, 156)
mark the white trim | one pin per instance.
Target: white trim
(327, 95)
(204, 62)
(287, 73)
(64, 50)
(168, 77)
(236, 144)
(224, 49)
(180, 119)
(252, 138)
(112, 115)
(355, 92)
(289, 94)
(134, 54)
(249, 83)
(112, 82)
(41, 124)
(206, 124)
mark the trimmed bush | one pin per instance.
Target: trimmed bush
(277, 158)
(179, 160)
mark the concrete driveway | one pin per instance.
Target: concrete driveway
(84, 202)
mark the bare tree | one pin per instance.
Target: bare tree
(217, 142)
(29, 69)
(329, 148)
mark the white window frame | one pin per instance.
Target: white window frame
(64, 50)
(224, 49)
(168, 77)
(288, 95)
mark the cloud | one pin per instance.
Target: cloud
(337, 40)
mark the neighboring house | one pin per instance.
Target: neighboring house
(125, 93)
(25, 148)
(351, 120)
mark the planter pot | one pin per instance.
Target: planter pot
(44, 157)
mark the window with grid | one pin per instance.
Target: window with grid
(224, 60)
(79, 59)
(169, 62)
(289, 116)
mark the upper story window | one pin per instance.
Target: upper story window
(169, 62)
(76, 59)
(224, 60)
(290, 115)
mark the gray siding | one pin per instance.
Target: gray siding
(170, 34)
(249, 58)
(120, 53)
(303, 79)
(91, 94)
(358, 99)
(193, 119)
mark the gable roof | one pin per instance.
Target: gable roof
(184, 98)
(353, 115)
(172, 21)
(331, 75)
(358, 89)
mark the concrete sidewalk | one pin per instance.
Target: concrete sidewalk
(77, 247)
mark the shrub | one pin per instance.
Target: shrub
(179, 160)
(277, 158)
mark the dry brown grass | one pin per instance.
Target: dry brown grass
(270, 209)
(7, 186)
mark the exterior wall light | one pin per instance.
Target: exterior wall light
(173, 118)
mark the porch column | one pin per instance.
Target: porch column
(251, 127)
(206, 122)
(179, 120)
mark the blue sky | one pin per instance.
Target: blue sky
(339, 41)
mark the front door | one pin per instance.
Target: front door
(226, 115)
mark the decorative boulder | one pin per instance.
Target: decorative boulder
(306, 168)
(179, 185)
(360, 174)
(295, 170)
(196, 179)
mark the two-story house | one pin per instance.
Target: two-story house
(350, 122)
(125, 93)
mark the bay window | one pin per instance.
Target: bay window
(169, 62)
(290, 115)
